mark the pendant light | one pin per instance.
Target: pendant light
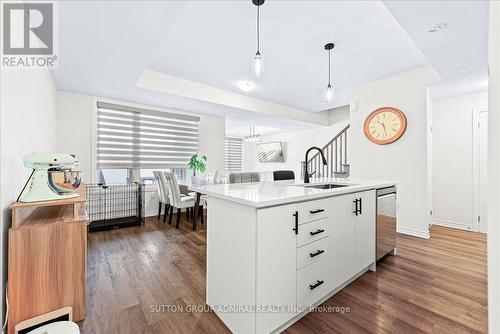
(329, 88)
(252, 138)
(258, 60)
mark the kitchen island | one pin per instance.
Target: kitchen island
(277, 249)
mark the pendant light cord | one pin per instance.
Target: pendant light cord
(329, 62)
(28, 180)
(258, 29)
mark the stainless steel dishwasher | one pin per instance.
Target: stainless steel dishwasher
(386, 221)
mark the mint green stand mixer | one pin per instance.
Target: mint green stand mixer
(53, 177)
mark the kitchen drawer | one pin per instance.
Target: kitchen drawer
(313, 210)
(312, 231)
(311, 253)
(313, 283)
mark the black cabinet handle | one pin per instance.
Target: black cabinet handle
(296, 215)
(355, 206)
(316, 211)
(317, 253)
(360, 206)
(314, 286)
(317, 232)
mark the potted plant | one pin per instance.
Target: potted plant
(198, 164)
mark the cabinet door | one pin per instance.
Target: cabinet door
(276, 265)
(342, 239)
(365, 230)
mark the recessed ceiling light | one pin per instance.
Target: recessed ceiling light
(246, 86)
(458, 70)
(437, 27)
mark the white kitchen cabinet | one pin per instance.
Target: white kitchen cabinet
(342, 239)
(313, 210)
(365, 223)
(352, 234)
(313, 231)
(276, 261)
(276, 265)
(286, 265)
(313, 283)
(312, 252)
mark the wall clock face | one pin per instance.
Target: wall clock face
(385, 125)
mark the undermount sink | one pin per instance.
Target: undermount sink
(326, 186)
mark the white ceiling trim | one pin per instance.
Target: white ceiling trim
(160, 82)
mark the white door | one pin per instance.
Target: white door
(365, 230)
(276, 265)
(483, 170)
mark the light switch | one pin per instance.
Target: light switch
(353, 106)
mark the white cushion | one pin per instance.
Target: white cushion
(59, 327)
(187, 199)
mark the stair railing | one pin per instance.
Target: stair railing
(335, 152)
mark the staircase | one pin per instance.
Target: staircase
(335, 152)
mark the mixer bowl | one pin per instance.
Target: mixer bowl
(64, 182)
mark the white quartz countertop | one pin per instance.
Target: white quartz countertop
(272, 193)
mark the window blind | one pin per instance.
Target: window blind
(233, 155)
(129, 137)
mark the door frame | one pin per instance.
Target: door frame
(475, 169)
(430, 161)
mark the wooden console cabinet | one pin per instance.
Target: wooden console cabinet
(47, 258)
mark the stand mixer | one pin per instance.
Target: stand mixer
(53, 177)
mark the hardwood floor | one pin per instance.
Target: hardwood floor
(431, 286)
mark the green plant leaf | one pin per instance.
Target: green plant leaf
(197, 163)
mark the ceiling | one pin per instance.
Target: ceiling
(105, 47)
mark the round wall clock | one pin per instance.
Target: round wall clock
(385, 125)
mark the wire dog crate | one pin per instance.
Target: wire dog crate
(110, 207)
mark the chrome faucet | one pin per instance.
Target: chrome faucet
(306, 173)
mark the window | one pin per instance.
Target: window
(233, 154)
(115, 176)
(147, 176)
(132, 142)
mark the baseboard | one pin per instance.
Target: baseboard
(414, 232)
(151, 213)
(447, 223)
(154, 212)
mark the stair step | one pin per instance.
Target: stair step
(336, 154)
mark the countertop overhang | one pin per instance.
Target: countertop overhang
(273, 193)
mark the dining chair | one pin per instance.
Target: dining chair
(166, 191)
(221, 176)
(176, 200)
(279, 175)
(162, 188)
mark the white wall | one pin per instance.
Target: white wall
(73, 129)
(493, 170)
(295, 145)
(453, 130)
(404, 161)
(211, 132)
(27, 124)
(75, 135)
